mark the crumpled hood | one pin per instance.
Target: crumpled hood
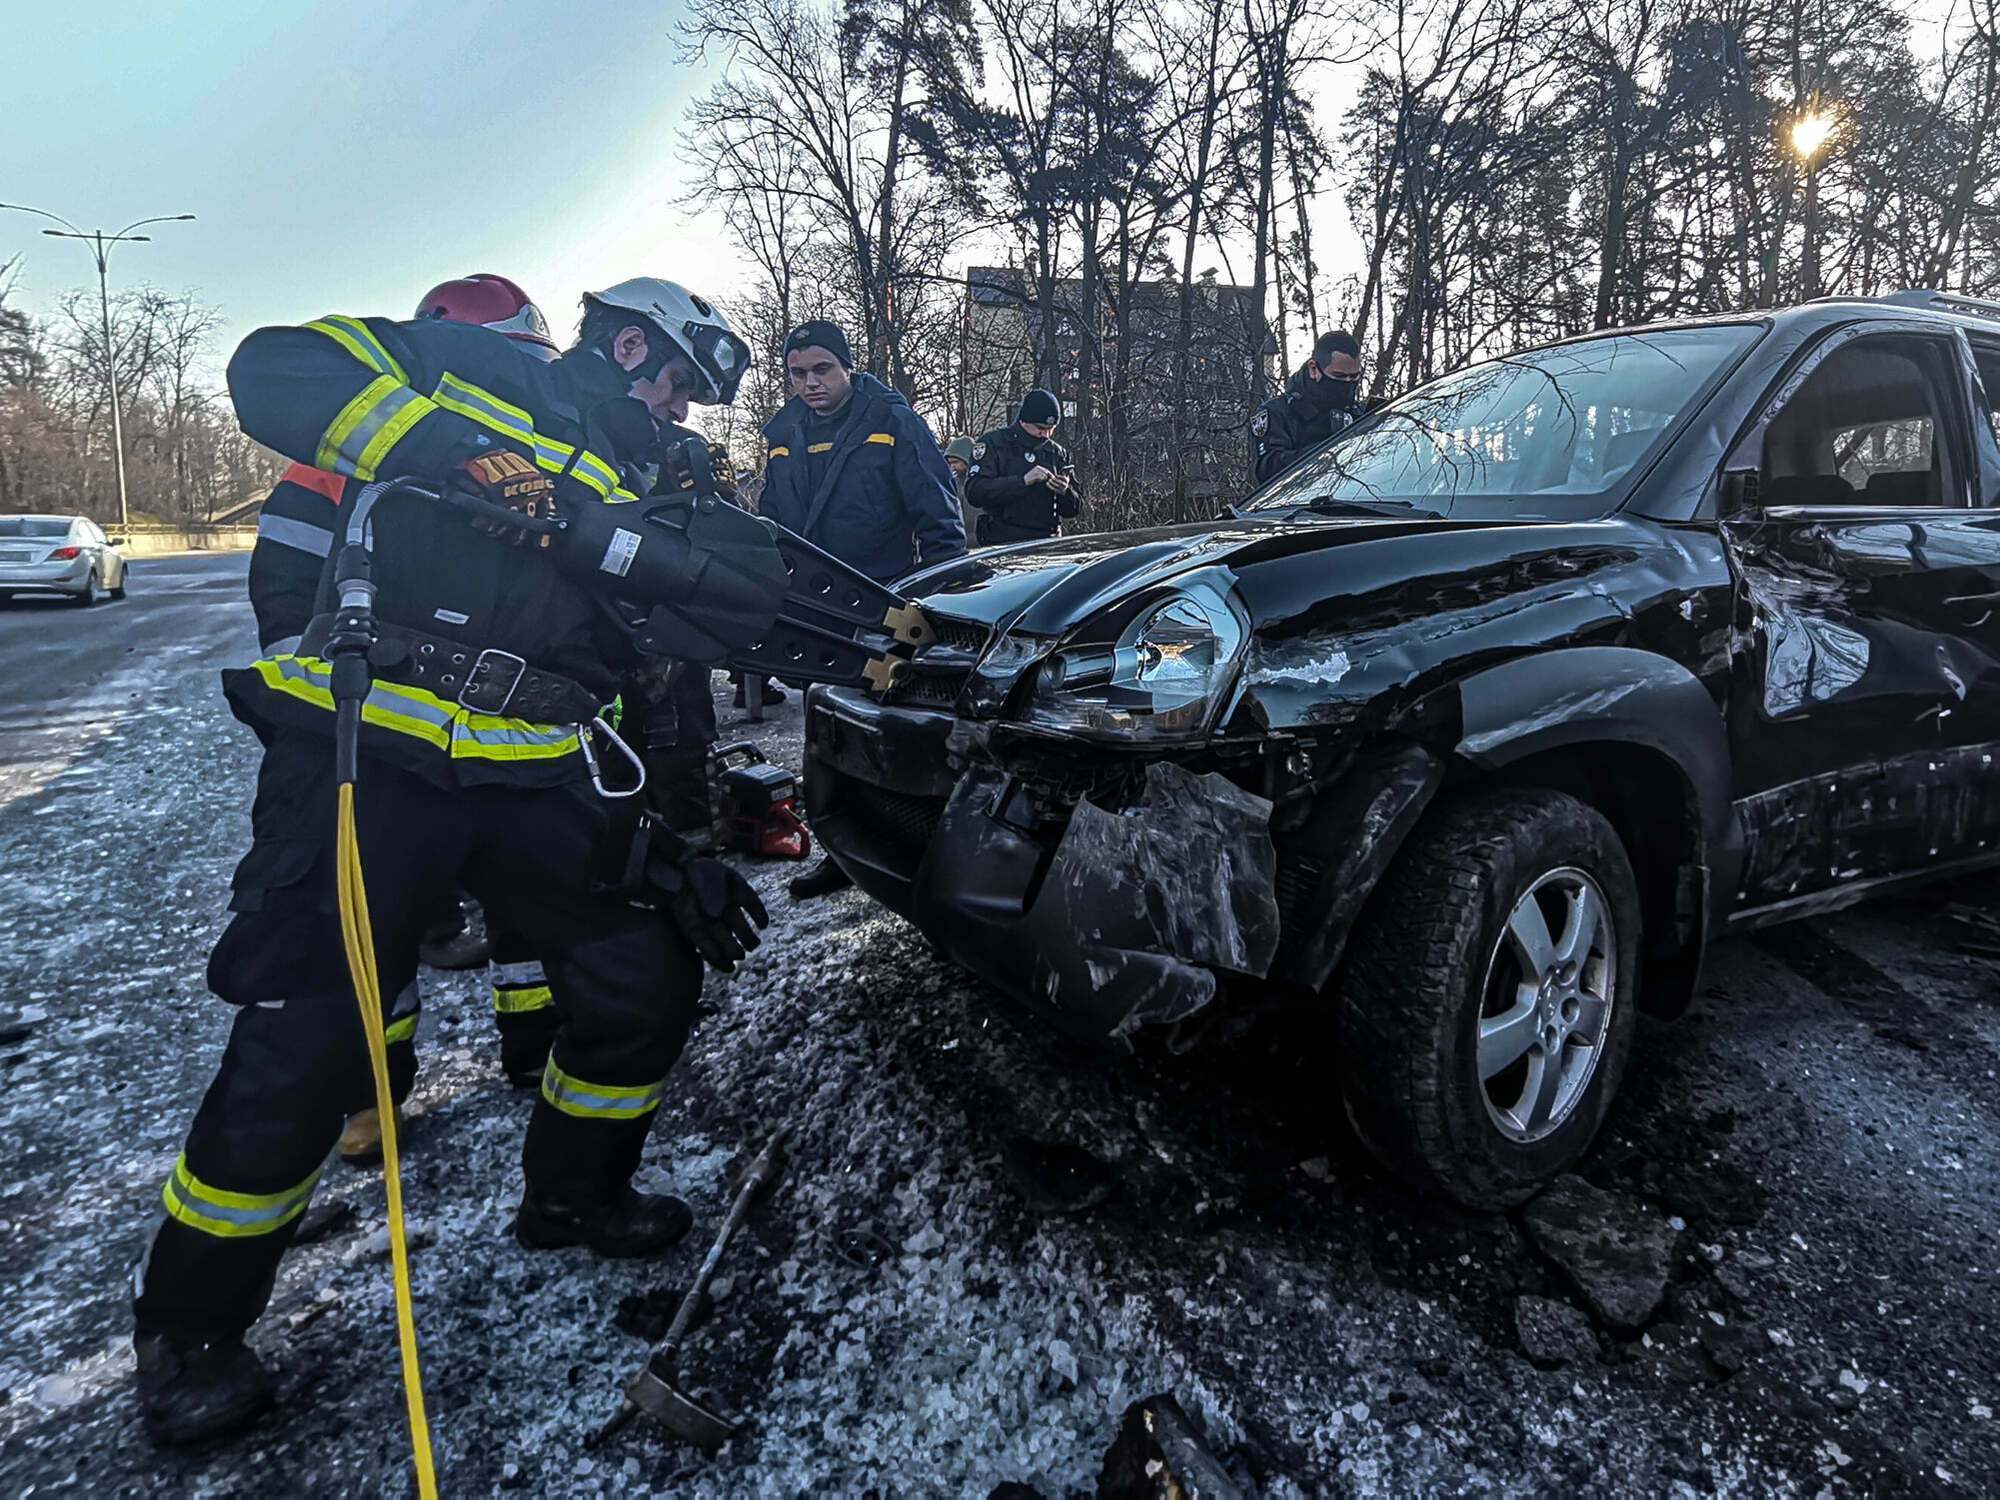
(1282, 565)
(1342, 609)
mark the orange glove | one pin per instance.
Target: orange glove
(507, 479)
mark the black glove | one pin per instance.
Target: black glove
(718, 912)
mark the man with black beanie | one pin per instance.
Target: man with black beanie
(1321, 399)
(1021, 478)
(851, 468)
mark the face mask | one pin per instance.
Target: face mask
(1338, 391)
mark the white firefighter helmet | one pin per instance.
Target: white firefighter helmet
(697, 327)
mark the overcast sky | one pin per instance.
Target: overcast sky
(344, 157)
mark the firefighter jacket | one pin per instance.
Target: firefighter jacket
(884, 501)
(1011, 509)
(295, 534)
(1290, 424)
(372, 399)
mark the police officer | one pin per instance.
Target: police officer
(1321, 399)
(489, 665)
(1021, 478)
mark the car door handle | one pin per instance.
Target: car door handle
(1985, 601)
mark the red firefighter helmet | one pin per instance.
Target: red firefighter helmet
(492, 302)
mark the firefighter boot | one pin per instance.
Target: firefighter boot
(361, 1141)
(823, 879)
(628, 1226)
(190, 1391)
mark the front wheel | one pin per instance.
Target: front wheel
(124, 578)
(1488, 1006)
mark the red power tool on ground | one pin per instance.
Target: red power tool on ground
(758, 803)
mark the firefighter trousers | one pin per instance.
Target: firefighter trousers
(296, 1063)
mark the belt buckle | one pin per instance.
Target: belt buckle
(482, 687)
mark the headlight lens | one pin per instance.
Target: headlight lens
(1163, 679)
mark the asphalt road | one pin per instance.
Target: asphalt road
(67, 673)
(984, 1250)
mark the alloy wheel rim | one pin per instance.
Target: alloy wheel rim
(1545, 1010)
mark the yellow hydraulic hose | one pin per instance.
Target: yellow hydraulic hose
(360, 942)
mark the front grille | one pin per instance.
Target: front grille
(906, 821)
(963, 634)
(940, 689)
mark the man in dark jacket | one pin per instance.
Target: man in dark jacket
(852, 468)
(1321, 399)
(1021, 478)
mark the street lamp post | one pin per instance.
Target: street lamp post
(100, 245)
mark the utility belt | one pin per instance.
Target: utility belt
(487, 681)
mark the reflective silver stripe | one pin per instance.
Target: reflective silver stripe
(529, 972)
(353, 449)
(526, 735)
(300, 534)
(195, 1203)
(600, 1101)
(484, 406)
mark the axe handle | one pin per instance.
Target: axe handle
(763, 1171)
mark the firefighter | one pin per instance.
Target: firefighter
(295, 533)
(1322, 398)
(1021, 478)
(475, 764)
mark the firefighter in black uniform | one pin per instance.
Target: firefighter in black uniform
(490, 666)
(1321, 399)
(297, 528)
(1021, 478)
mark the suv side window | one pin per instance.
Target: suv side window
(1986, 356)
(1870, 427)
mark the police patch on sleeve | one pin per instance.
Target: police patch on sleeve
(1260, 423)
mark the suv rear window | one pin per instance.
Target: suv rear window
(35, 526)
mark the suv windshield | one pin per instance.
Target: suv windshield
(1552, 432)
(42, 526)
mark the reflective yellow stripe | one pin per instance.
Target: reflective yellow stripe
(362, 344)
(554, 456)
(353, 336)
(334, 440)
(413, 410)
(817, 447)
(780, 453)
(599, 1101)
(369, 426)
(450, 727)
(217, 1211)
(516, 1002)
(883, 437)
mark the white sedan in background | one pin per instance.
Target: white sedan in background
(60, 554)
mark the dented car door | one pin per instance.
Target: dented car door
(1866, 687)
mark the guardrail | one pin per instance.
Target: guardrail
(150, 541)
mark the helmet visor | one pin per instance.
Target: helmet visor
(720, 357)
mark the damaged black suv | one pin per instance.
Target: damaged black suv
(1476, 726)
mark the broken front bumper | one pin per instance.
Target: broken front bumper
(1100, 921)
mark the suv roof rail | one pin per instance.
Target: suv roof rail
(1978, 307)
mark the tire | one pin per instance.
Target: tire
(124, 578)
(89, 595)
(1434, 959)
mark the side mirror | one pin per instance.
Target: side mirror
(114, 541)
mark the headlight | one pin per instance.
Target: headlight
(1163, 679)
